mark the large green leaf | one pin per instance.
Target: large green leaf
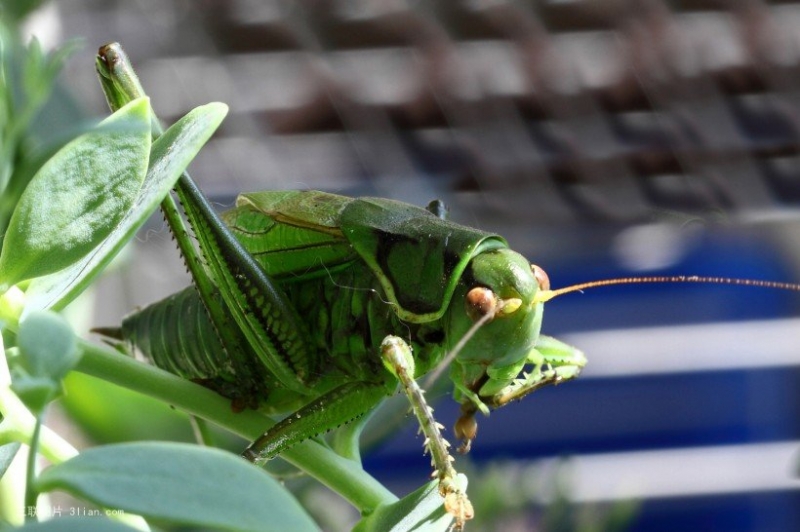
(170, 155)
(181, 484)
(78, 197)
(420, 511)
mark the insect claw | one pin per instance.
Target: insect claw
(458, 505)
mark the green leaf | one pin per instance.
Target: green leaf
(169, 157)
(7, 454)
(18, 9)
(70, 524)
(180, 484)
(35, 392)
(78, 197)
(420, 511)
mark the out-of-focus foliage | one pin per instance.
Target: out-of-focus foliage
(15, 10)
(534, 496)
(36, 119)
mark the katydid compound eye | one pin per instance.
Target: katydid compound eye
(541, 277)
(480, 302)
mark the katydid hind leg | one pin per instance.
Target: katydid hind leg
(271, 325)
(220, 264)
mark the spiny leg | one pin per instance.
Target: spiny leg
(552, 361)
(398, 359)
(230, 282)
(329, 411)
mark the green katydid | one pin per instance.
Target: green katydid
(317, 305)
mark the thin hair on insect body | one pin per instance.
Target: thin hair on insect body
(356, 288)
(379, 295)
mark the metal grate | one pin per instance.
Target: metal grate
(571, 111)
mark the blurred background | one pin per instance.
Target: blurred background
(602, 139)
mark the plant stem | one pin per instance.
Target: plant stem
(201, 431)
(12, 301)
(31, 494)
(19, 423)
(341, 475)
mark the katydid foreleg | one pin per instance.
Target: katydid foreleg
(552, 362)
(350, 401)
(398, 358)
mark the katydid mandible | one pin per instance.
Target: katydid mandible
(317, 306)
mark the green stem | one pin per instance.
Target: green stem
(339, 474)
(19, 423)
(31, 494)
(12, 301)
(202, 432)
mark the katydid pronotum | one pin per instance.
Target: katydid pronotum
(317, 306)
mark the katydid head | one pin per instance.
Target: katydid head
(494, 310)
(500, 356)
(494, 323)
